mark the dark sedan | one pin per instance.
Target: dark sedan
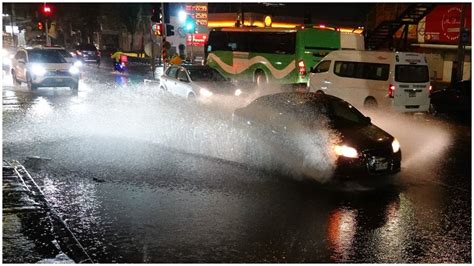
(360, 149)
(88, 53)
(455, 99)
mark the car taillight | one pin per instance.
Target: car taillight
(430, 89)
(302, 68)
(391, 89)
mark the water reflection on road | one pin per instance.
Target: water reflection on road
(130, 198)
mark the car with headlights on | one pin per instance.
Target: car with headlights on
(359, 148)
(43, 67)
(197, 82)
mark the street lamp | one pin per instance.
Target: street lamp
(182, 16)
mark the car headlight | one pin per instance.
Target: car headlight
(237, 92)
(38, 70)
(395, 145)
(346, 151)
(78, 64)
(205, 92)
(74, 70)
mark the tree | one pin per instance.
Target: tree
(131, 17)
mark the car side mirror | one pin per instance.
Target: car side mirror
(368, 120)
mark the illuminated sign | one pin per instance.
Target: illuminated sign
(198, 12)
(198, 40)
(443, 23)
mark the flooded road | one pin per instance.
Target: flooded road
(142, 177)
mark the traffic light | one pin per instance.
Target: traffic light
(40, 25)
(190, 24)
(156, 13)
(169, 30)
(158, 29)
(47, 10)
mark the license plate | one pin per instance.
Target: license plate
(411, 94)
(381, 166)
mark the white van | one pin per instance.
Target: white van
(396, 80)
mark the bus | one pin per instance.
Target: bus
(272, 55)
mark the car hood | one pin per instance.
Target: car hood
(51, 67)
(218, 87)
(366, 137)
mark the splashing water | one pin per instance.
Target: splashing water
(142, 114)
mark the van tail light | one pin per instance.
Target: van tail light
(430, 89)
(302, 68)
(391, 89)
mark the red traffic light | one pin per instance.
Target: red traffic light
(157, 29)
(40, 25)
(46, 10)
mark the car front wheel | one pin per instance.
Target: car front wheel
(75, 86)
(15, 79)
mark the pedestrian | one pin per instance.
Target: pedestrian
(176, 60)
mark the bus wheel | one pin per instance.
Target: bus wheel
(260, 78)
(370, 103)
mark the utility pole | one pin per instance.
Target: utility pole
(164, 33)
(461, 47)
(12, 18)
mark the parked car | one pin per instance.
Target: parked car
(363, 149)
(43, 67)
(88, 53)
(196, 81)
(455, 99)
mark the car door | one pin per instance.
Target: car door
(184, 83)
(169, 79)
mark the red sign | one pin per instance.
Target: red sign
(443, 23)
(198, 39)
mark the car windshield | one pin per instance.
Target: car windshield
(64, 53)
(345, 115)
(205, 74)
(46, 56)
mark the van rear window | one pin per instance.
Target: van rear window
(411, 73)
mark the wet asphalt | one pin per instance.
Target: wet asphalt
(139, 178)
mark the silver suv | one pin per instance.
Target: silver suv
(44, 67)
